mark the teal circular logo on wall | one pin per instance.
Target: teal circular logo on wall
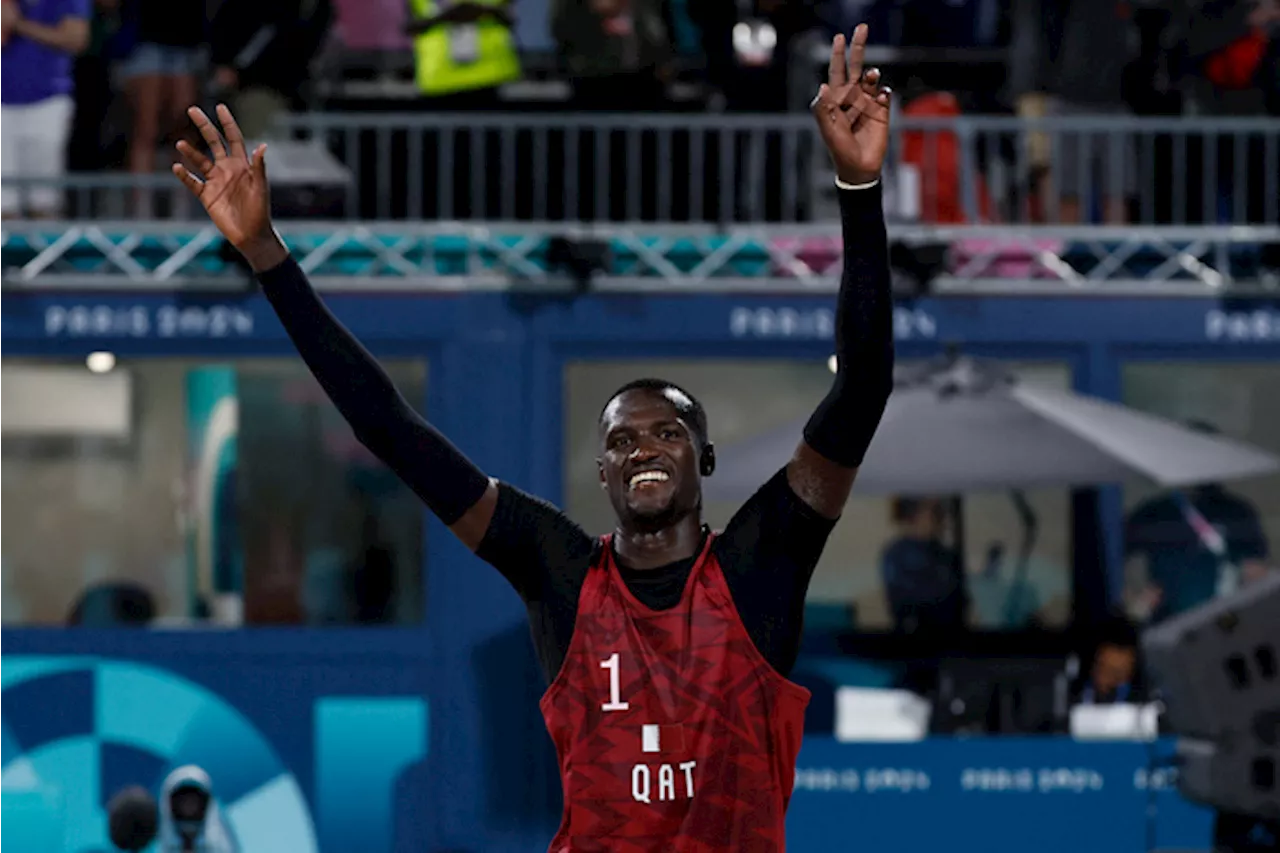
(77, 729)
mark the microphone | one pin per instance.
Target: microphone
(133, 819)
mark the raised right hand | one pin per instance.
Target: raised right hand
(232, 188)
(852, 110)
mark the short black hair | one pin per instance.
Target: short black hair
(691, 413)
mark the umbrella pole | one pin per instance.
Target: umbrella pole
(1027, 517)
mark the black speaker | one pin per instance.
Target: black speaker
(1216, 669)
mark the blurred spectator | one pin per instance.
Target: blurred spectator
(262, 52)
(1232, 63)
(1150, 80)
(952, 23)
(463, 51)
(1231, 47)
(1266, 19)
(1197, 544)
(275, 571)
(1100, 40)
(1112, 675)
(618, 51)
(168, 37)
(1075, 58)
(88, 151)
(110, 605)
(748, 46)
(923, 579)
(40, 37)
(371, 25)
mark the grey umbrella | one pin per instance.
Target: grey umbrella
(962, 425)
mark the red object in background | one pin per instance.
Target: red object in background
(936, 156)
(1235, 67)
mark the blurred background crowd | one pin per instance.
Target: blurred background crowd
(107, 81)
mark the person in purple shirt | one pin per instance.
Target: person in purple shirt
(39, 38)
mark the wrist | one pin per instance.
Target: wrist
(264, 253)
(856, 177)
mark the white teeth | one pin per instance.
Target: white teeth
(647, 477)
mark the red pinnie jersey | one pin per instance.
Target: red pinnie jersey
(674, 733)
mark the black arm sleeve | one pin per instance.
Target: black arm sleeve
(845, 421)
(446, 480)
(546, 557)
(768, 552)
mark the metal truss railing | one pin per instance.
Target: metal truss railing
(501, 256)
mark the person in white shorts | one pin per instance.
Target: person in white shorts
(39, 37)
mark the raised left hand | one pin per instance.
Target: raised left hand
(852, 111)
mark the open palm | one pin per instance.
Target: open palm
(231, 186)
(852, 110)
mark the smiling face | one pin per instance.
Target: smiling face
(649, 459)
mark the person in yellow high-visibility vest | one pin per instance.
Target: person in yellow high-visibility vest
(462, 46)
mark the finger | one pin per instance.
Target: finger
(837, 74)
(191, 181)
(878, 104)
(819, 98)
(210, 133)
(853, 101)
(857, 51)
(235, 139)
(825, 106)
(194, 160)
(870, 80)
(259, 162)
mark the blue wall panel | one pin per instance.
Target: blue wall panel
(496, 363)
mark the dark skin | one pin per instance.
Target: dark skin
(658, 522)
(663, 523)
(1113, 667)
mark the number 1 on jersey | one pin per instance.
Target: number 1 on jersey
(614, 665)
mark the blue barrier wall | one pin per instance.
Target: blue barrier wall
(994, 794)
(480, 775)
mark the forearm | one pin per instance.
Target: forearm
(448, 482)
(70, 36)
(845, 421)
